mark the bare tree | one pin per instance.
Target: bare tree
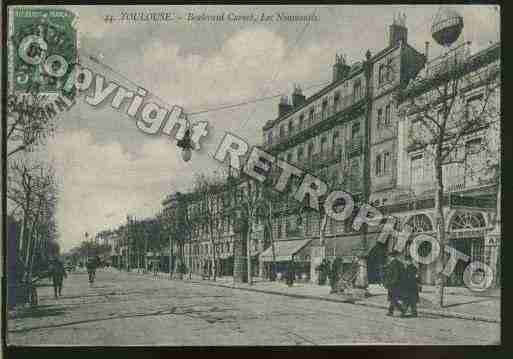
(208, 191)
(28, 122)
(32, 195)
(444, 115)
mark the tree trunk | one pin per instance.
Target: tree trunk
(440, 226)
(248, 254)
(239, 263)
(170, 265)
(322, 230)
(273, 249)
(214, 269)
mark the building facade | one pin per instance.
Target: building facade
(471, 176)
(347, 135)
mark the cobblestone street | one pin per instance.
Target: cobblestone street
(130, 309)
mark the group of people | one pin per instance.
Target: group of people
(403, 284)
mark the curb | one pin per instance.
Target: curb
(444, 314)
(374, 305)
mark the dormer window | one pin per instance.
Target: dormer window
(381, 73)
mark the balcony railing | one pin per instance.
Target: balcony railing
(449, 61)
(354, 146)
(309, 121)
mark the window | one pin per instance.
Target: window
(334, 141)
(324, 111)
(311, 115)
(289, 157)
(300, 154)
(357, 89)
(386, 162)
(474, 162)
(301, 121)
(387, 115)
(310, 151)
(282, 131)
(417, 170)
(382, 164)
(323, 144)
(471, 105)
(390, 70)
(291, 126)
(355, 174)
(355, 130)
(336, 101)
(378, 165)
(381, 73)
(270, 137)
(380, 117)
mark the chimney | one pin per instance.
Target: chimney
(284, 106)
(297, 96)
(340, 68)
(426, 51)
(398, 32)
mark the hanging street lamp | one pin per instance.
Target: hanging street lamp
(187, 145)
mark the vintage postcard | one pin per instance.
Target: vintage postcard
(253, 175)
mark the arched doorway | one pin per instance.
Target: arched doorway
(421, 223)
(465, 236)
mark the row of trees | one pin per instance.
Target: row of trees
(32, 190)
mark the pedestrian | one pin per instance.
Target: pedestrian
(58, 273)
(155, 269)
(411, 283)
(291, 274)
(91, 269)
(393, 283)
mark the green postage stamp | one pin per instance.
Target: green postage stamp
(42, 49)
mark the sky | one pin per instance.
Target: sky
(107, 168)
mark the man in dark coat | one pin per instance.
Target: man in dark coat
(57, 273)
(393, 277)
(411, 286)
(91, 265)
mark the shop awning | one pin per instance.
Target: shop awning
(284, 250)
(352, 244)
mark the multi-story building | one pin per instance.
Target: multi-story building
(470, 176)
(346, 134)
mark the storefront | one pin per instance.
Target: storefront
(348, 248)
(288, 254)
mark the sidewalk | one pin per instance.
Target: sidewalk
(459, 302)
